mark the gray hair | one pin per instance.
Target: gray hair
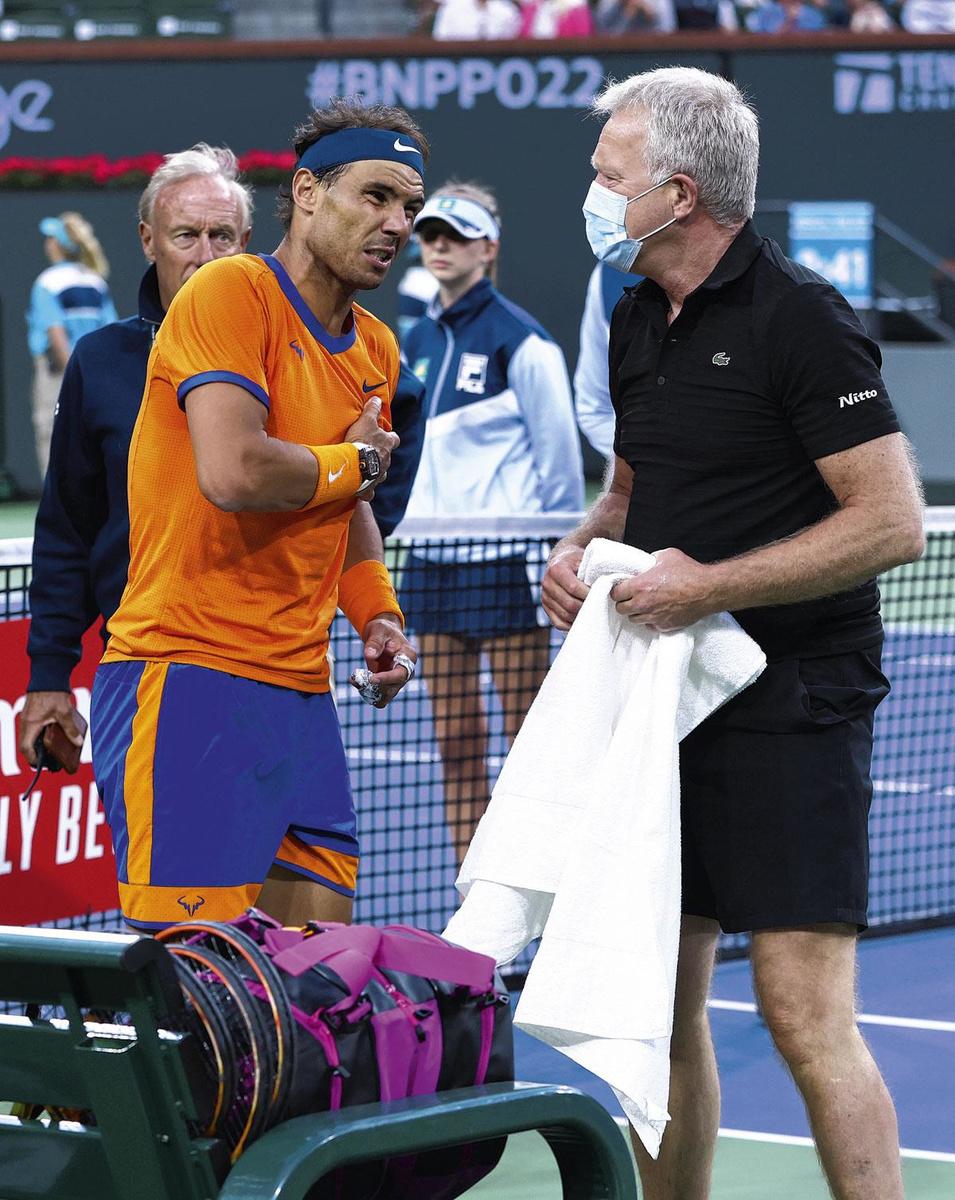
(698, 124)
(200, 159)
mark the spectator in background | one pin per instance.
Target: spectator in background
(785, 16)
(868, 16)
(476, 20)
(634, 16)
(555, 19)
(706, 14)
(928, 16)
(68, 299)
(500, 440)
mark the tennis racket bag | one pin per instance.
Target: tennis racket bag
(363, 1014)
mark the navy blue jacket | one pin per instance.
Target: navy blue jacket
(408, 419)
(81, 539)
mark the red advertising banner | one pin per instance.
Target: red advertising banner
(56, 859)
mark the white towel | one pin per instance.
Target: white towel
(581, 840)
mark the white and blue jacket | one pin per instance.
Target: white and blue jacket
(501, 437)
(595, 414)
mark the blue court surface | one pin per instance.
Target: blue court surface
(907, 1006)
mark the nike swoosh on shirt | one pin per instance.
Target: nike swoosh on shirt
(333, 475)
(406, 149)
(371, 387)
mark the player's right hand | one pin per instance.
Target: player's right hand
(42, 709)
(562, 593)
(367, 429)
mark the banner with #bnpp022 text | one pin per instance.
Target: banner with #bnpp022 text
(56, 860)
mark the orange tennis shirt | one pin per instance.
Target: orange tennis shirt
(252, 594)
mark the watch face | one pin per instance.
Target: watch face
(370, 464)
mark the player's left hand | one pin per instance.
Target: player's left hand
(385, 642)
(672, 594)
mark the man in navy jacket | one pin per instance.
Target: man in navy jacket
(193, 210)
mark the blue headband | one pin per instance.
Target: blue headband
(356, 145)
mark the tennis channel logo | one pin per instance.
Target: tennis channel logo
(427, 83)
(878, 83)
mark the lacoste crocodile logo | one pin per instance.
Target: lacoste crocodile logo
(721, 359)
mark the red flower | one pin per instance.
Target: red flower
(96, 170)
(282, 160)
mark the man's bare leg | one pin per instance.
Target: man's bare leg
(294, 900)
(685, 1165)
(805, 980)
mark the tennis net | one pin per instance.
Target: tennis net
(423, 767)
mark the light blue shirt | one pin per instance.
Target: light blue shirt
(70, 295)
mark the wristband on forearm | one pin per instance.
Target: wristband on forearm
(365, 591)
(339, 477)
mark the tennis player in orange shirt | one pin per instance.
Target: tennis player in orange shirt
(264, 428)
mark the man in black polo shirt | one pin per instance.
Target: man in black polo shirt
(756, 443)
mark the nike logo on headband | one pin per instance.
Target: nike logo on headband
(406, 149)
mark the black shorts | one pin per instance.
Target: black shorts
(775, 794)
(472, 600)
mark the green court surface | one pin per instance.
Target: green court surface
(744, 1170)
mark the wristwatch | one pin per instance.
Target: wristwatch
(369, 464)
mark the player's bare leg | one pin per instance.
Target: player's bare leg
(294, 900)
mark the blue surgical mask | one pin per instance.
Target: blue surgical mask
(606, 215)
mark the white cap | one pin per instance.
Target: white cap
(466, 217)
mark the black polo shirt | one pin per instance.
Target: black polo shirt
(722, 414)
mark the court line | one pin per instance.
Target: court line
(789, 1139)
(863, 1018)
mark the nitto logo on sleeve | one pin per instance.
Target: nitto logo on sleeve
(856, 398)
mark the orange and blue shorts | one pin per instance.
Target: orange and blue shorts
(208, 779)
